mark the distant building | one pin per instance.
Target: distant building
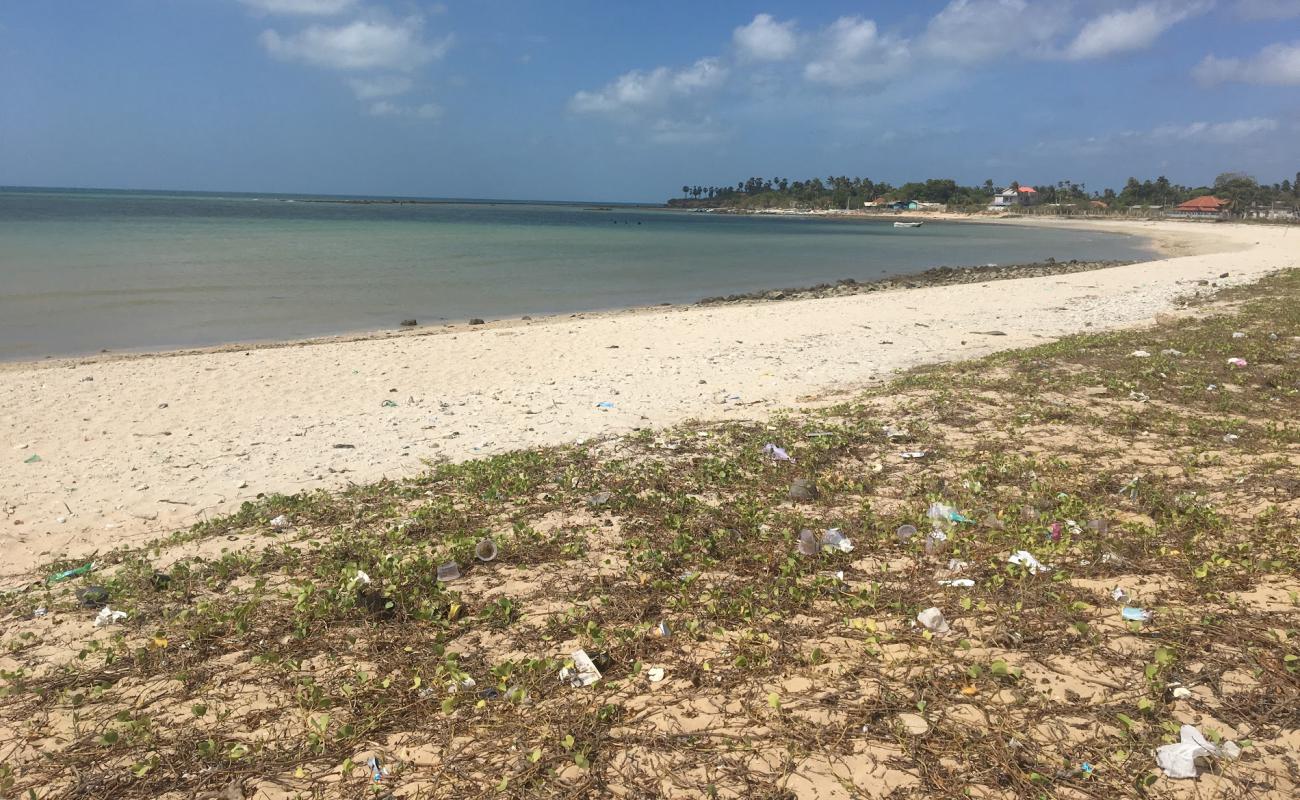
(904, 205)
(1018, 196)
(1276, 212)
(1203, 207)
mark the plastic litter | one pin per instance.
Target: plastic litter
(963, 583)
(803, 489)
(776, 453)
(1238, 335)
(388, 404)
(1236, 362)
(361, 579)
(583, 673)
(448, 572)
(1134, 614)
(1231, 438)
(108, 616)
(1171, 352)
(894, 434)
(70, 573)
(1098, 525)
(32, 459)
(1181, 693)
(904, 533)
(835, 540)
(280, 523)
(955, 565)
(662, 629)
(942, 514)
(604, 404)
(1026, 559)
(1119, 594)
(599, 499)
(912, 454)
(485, 550)
(936, 542)
(932, 619)
(654, 674)
(807, 543)
(1140, 354)
(39, 612)
(1179, 760)
(377, 770)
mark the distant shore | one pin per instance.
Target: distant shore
(132, 446)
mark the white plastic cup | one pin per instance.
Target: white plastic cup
(905, 532)
(485, 550)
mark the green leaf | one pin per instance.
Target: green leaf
(581, 761)
(774, 700)
(568, 741)
(536, 755)
(198, 709)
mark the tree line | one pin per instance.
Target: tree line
(1241, 191)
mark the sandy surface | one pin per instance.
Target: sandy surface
(133, 447)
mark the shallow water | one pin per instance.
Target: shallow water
(84, 270)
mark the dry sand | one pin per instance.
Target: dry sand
(133, 447)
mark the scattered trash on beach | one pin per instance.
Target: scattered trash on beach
(604, 404)
(807, 543)
(39, 612)
(942, 514)
(654, 674)
(342, 446)
(1098, 526)
(933, 621)
(936, 543)
(663, 630)
(281, 523)
(776, 453)
(388, 404)
(1181, 693)
(835, 540)
(1134, 614)
(1230, 438)
(1120, 595)
(360, 579)
(1179, 760)
(803, 489)
(1026, 559)
(599, 499)
(912, 454)
(108, 616)
(1169, 351)
(1238, 335)
(485, 550)
(962, 583)
(76, 572)
(32, 459)
(377, 771)
(1236, 362)
(448, 572)
(1140, 354)
(583, 673)
(905, 532)
(896, 434)
(956, 565)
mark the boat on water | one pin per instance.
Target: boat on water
(908, 224)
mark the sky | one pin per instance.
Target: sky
(628, 101)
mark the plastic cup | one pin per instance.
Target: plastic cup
(905, 532)
(448, 571)
(485, 550)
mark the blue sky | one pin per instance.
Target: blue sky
(628, 101)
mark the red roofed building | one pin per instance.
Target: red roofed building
(1015, 196)
(1207, 206)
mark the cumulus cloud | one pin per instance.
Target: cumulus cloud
(1130, 29)
(853, 52)
(359, 45)
(970, 31)
(1232, 132)
(1268, 9)
(765, 39)
(1277, 64)
(303, 7)
(638, 90)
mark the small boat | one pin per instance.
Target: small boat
(908, 224)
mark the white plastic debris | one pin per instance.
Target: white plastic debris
(932, 619)
(835, 540)
(1171, 352)
(1231, 438)
(1236, 362)
(1238, 335)
(448, 572)
(776, 453)
(964, 583)
(1182, 693)
(1140, 354)
(912, 454)
(1026, 559)
(280, 523)
(1120, 595)
(583, 673)
(40, 612)
(1135, 614)
(807, 543)
(654, 674)
(361, 579)
(957, 565)
(892, 432)
(1179, 760)
(108, 616)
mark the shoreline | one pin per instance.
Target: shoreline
(1157, 244)
(134, 445)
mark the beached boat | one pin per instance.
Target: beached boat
(908, 224)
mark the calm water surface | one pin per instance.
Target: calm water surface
(82, 271)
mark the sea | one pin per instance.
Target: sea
(84, 271)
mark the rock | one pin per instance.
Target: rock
(477, 321)
(1223, 275)
(804, 489)
(408, 323)
(914, 724)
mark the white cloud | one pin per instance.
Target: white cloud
(637, 90)
(1131, 29)
(304, 7)
(668, 131)
(765, 39)
(969, 31)
(358, 45)
(1233, 132)
(1268, 9)
(385, 108)
(1277, 64)
(380, 86)
(853, 52)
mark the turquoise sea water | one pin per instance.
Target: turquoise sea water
(82, 271)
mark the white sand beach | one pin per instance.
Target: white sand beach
(133, 447)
